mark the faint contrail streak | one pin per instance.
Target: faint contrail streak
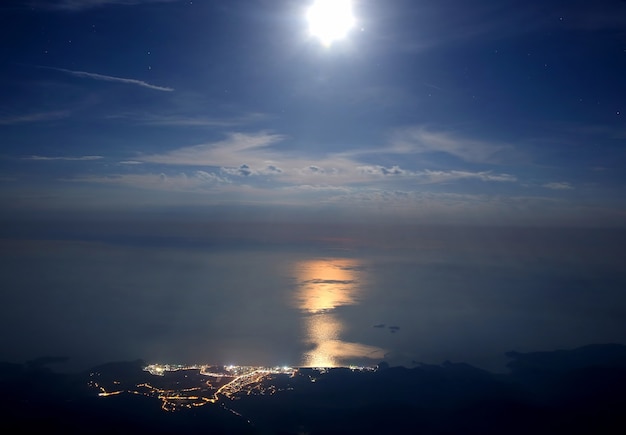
(106, 78)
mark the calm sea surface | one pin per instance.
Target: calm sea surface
(468, 303)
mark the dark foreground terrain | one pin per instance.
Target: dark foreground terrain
(577, 391)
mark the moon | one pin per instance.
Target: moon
(330, 20)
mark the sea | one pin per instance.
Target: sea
(424, 297)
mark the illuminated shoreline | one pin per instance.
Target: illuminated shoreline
(235, 370)
(180, 386)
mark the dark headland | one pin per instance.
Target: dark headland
(579, 391)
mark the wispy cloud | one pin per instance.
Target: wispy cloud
(181, 182)
(210, 177)
(445, 176)
(246, 171)
(318, 188)
(106, 78)
(78, 5)
(429, 176)
(230, 152)
(242, 171)
(254, 154)
(191, 121)
(248, 155)
(383, 171)
(34, 117)
(206, 188)
(558, 186)
(417, 140)
(66, 158)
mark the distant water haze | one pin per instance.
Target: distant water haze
(429, 295)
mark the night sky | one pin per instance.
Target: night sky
(217, 181)
(501, 111)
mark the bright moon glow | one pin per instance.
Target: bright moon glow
(330, 20)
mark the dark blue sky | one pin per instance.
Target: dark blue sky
(432, 111)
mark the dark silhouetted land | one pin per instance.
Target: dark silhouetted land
(566, 391)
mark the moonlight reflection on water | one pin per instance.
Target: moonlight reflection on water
(323, 285)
